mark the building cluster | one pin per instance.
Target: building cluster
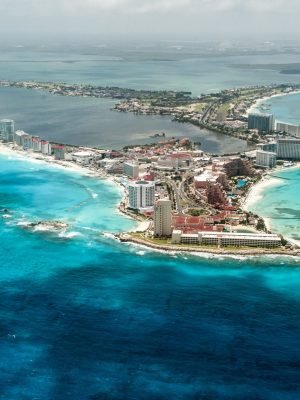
(290, 129)
(266, 123)
(194, 233)
(171, 179)
(80, 155)
(213, 183)
(286, 145)
(216, 183)
(283, 148)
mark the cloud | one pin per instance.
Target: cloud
(73, 7)
(150, 16)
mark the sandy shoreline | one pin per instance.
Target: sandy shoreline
(38, 157)
(257, 102)
(210, 252)
(253, 196)
(256, 192)
(30, 156)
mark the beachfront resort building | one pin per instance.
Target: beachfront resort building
(261, 122)
(46, 147)
(7, 130)
(179, 161)
(163, 218)
(265, 159)
(269, 146)
(223, 239)
(36, 144)
(288, 149)
(23, 139)
(141, 195)
(131, 170)
(82, 157)
(58, 151)
(290, 129)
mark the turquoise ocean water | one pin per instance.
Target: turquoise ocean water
(280, 203)
(85, 317)
(286, 108)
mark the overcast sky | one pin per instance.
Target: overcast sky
(87, 18)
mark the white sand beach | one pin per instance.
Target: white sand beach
(16, 152)
(256, 191)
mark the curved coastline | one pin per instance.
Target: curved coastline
(256, 192)
(249, 252)
(254, 107)
(252, 197)
(68, 166)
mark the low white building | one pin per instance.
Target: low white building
(288, 128)
(131, 170)
(227, 239)
(177, 161)
(83, 157)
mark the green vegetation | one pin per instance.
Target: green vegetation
(199, 107)
(194, 212)
(224, 108)
(260, 225)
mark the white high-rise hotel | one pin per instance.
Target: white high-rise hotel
(141, 195)
(163, 218)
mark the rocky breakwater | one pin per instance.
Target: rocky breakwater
(49, 226)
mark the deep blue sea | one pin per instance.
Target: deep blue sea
(85, 317)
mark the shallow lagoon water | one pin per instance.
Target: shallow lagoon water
(89, 318)
(286, 108)
(90, 122)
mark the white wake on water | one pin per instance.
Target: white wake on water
(69, 235)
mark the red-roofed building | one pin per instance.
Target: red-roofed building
(58, 151)
(46, 147)
(36, 143)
